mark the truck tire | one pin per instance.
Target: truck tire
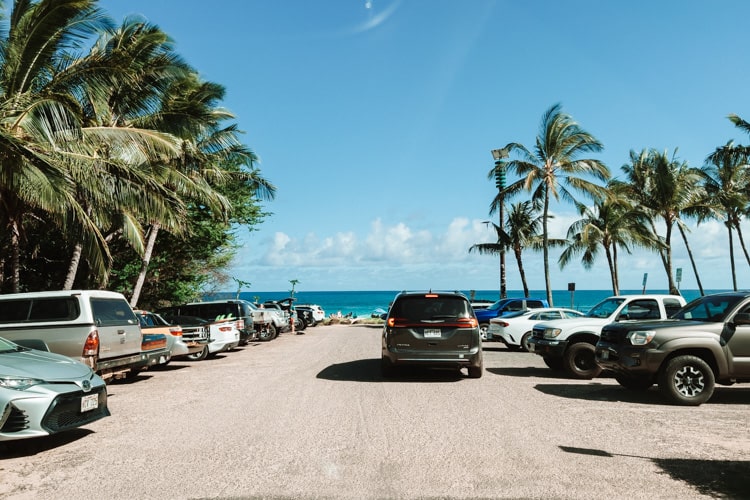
(267, 332)
(579, 361)
(687, 380)
(199, 356)
(634, 383)
(475, 371)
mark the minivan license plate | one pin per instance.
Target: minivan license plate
(431, 333)
(89, 402)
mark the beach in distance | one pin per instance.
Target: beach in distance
(365, 303)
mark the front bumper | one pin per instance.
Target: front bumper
(628, 359)
(47, 409)
(548, 348)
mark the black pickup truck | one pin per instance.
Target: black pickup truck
(707, 342)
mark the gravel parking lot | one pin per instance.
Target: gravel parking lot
(308, 416)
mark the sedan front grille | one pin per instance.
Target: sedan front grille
(65, 411)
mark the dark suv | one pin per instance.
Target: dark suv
(432, 329)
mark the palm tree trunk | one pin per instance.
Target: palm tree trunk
(614, 266)
(612, 270)
(742, 241)
(545, 234)
(75, 260)
(668, 259)
(692, 260)
(517, 253)
(15, 257)
(731, 256)
(144, 264)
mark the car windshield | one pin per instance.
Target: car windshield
(712, 309)
(605, 308)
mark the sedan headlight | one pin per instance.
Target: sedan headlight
(552, 333)
(641, 337)
(19, 383)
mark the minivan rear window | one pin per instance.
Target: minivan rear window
(419, 307)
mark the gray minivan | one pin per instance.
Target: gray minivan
(96, 327)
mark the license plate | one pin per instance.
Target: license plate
(89, 402)
(432, 333)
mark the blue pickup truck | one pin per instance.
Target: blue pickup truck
(503, 307)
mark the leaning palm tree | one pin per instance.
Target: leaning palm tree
(556, 169)
(609, 225)
(727, 185)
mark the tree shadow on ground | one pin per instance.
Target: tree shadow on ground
(368, 370)
(715, 478)
(597, 391)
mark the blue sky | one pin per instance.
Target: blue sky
(375, 120)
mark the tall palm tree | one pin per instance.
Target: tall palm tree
(524, 227)
(727, 185)
(39, 114)
(556, 169)
(668, 189)
(608, 225)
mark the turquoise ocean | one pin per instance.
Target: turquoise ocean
(363, 304)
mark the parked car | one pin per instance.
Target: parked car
(514, 329)
(503, 307)
(156, 348)
(431, 329)
(178, 346)
(43, 393)
(223, 335)
(481, 304)
(317, 312)
(569, 344)
(704, 343)
(95, 327)
(257, 323)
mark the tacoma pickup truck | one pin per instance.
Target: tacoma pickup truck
(704, 343)
(569, 344)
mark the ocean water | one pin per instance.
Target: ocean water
(365, 303)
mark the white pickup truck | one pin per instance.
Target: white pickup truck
(569, 344)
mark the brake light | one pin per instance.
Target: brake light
(400, 322)
(91, 346)
(470, 322)
(431, 296)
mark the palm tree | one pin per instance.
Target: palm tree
(39, 115)
(666, 188)
(524, 227)
(555, 169)
(727, 185)
(608, 225)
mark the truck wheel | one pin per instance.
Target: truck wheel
(553, 363)
(199, 356)
(267, 332)
(687, 380)
(634, 383)
(579, 361)
(525, 342)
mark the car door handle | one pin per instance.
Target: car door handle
(120, 332)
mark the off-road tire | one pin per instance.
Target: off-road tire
(579, 361)
(267, 333)
(199, 356)
(687, 380)
(640, 383)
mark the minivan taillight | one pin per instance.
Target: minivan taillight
(91, 346)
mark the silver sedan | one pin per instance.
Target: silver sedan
(43, 393)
